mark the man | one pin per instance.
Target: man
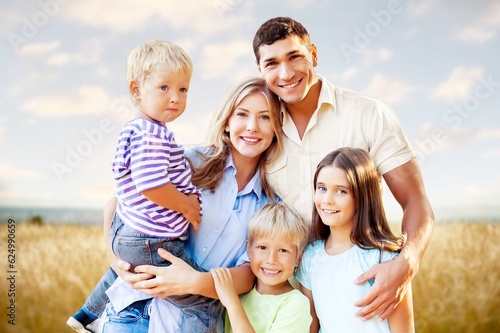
(318, 118)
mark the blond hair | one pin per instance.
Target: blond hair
(143, 59)
(210, 173)
(278, 220)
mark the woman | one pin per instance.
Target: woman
(229, 171)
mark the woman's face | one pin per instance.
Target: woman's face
(249, 127)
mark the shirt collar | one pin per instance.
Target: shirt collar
(254, 184)
(326, 96)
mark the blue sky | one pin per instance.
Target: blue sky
(63, 96)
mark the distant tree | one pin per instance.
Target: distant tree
(36, 220)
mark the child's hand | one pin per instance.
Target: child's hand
(223, 281)
(193, 215)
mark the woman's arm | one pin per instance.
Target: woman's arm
(315, 320)
(179, 279)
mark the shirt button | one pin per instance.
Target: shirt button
(204, 249)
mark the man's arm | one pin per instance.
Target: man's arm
(392, 278)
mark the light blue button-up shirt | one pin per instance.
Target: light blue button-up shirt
(219, 242)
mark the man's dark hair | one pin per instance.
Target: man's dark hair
(276, 29)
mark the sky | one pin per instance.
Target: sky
(64, 96)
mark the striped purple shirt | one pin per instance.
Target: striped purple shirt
(147, 157)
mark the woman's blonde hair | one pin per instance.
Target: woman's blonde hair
(209, 174)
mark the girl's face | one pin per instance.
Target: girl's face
(333, 199)
(249, 127)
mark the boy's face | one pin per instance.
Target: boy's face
(288, 68)
(162, 96)
(273, 261)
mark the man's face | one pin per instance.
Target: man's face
(288, 68)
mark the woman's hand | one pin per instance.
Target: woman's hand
(177, 279)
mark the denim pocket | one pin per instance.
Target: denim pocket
(128, 320)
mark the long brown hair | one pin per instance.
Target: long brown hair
(209, 174)
(370, 228)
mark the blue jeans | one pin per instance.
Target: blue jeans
(200, 313)
(133, 319)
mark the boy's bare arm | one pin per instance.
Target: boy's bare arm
(170, 197)
(224, 286)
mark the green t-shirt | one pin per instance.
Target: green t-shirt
(285, 313)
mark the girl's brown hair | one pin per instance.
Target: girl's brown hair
(370, 228)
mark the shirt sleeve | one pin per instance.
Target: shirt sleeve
(302, 274)
(149, 160)
(389, 146)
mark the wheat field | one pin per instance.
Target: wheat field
(456, 290)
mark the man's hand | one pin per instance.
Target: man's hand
(392, 279)
(122, 268)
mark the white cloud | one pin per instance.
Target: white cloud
(348, 74)
(474, 34)
(10, 172)
(85, 100)
(190, 130)
(454, 137)
(89, 52)
(37, 49)
(372, 56)
(389, 89)
(100, 191)
(424, 7)
(459, 84)
(219, 60)
(125, 16)
(483, 28)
